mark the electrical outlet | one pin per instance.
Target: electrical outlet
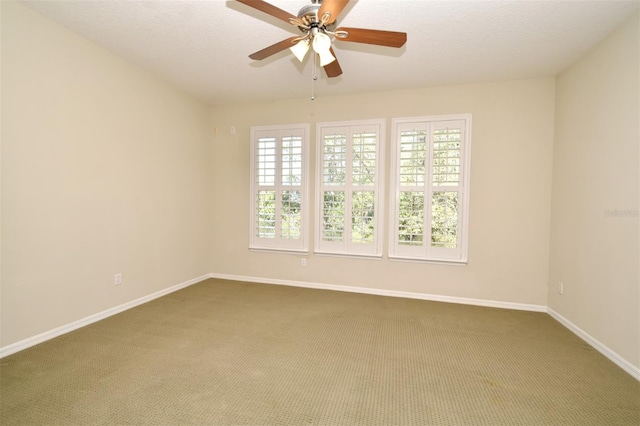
(303, 261)
(117, 279)
(560, 288)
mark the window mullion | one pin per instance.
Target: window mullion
(278, 187)
(428, 189)
(348, 205)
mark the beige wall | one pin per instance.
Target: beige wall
(596, 170)
(105, 169)
(511, 164)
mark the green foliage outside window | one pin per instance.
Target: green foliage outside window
(411, 218)
(266, 214)
(333, 215)
(291, 215)
(444, 220)
(362, 217)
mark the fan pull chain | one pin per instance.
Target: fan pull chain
(314, 76)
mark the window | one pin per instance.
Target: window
(430, 183)
(279, 158)
(349, 181)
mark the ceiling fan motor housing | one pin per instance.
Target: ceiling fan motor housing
(309, 14)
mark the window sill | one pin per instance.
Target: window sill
(349, 255)
(448, 262)
(278, 250)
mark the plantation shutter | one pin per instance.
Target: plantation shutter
(349, 164)
(278, 180)
(429, 211)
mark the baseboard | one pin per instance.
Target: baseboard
(597, 345)
(390, 293)
(47, 335)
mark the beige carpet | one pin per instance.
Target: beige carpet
(223, 352)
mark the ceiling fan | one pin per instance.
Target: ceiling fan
(317, 23)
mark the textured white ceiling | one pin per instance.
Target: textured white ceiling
(203, 46)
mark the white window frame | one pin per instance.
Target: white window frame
(426, 252)
(348, 247)
(278, 243)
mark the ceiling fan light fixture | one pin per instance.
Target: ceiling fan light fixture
(322, 46)
(326, 58)
(300, 49)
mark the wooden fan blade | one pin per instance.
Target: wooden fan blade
(334, 7)
(378, 37)
(269, 9)
(273, 49)
(333, 69)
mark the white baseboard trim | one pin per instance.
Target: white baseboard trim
(58, 331)
(597, 345)
(390, 293)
